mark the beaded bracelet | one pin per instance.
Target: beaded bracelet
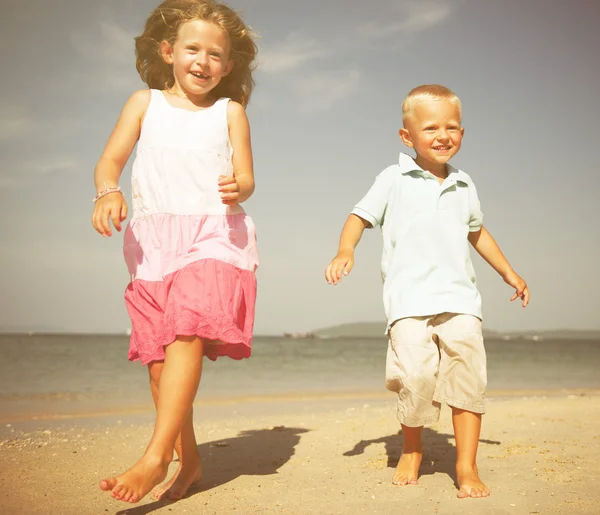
(107, 191)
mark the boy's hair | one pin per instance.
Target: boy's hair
(163, 25)
(428, 91)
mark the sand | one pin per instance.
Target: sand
(539, 453)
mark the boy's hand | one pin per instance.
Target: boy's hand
(229, 190)
(520, 286)
(110, 207)
(341, 265)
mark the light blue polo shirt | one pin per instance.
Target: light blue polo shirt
(426, 264)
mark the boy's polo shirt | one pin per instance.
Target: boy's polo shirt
(426, 264)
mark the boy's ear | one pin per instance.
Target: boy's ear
(165, 49)
(405, 137)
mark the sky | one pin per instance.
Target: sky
(324, 117)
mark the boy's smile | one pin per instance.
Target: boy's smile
(434, 130)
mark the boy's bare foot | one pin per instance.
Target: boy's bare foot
(407, 471)
(187, 475)
(134, 484)
(469, 483)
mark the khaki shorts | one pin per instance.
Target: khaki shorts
(436, 359)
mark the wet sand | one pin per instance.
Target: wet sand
(539, 454)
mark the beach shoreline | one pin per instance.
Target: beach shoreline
(317, 453)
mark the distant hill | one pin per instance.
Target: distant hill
(22, 329)
(559, 334)
(377, 329)
(353, 330)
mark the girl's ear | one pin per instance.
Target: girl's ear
(228, 68)
(405, 137)
(165, 49)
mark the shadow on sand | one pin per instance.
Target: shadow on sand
(257, 452)
(439, 455)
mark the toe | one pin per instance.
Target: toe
(108, 484)
(462, 493)
(118, 491)
(158, 494)
(175, 494)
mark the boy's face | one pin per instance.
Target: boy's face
(434, 130)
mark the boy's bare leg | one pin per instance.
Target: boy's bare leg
(178, 386)
(407, 471)
(467, 427)
(189, 471)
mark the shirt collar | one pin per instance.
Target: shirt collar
(408, 165)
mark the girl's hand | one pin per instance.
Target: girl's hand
(340, 265)
(229, 190)
(110, 207)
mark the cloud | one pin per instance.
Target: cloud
(114, 45)
(15, 123)
(50, 165)
(110, 49)
(320, 90)
(413, 16)
(24, 172)
(295, 51)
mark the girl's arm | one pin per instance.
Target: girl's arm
(489, 250)
(112, 161)
(122, 141)
(344, 261)
(240, 187)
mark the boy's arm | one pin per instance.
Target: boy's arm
(344, 261)
(489, 250)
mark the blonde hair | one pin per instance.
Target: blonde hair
(163, 25)
(428, 92)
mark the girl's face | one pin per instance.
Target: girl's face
(199, 56)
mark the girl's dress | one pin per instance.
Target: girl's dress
(191, 258)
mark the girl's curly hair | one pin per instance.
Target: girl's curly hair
(163, 25)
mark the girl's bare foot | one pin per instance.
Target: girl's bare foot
(407, 471)
(188, 475)
(469, 483)
(134, 484)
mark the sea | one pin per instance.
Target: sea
(46, 378)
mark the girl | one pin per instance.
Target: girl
(190, 248)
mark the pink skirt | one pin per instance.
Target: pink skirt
(204, 296)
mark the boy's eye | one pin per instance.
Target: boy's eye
(216, 55)
(429, 128)
(193, 48)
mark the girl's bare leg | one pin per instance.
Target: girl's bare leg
(177, 388)
(189, 471)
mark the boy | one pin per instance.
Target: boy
(428, 211)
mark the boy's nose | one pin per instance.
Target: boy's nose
(202, 59)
